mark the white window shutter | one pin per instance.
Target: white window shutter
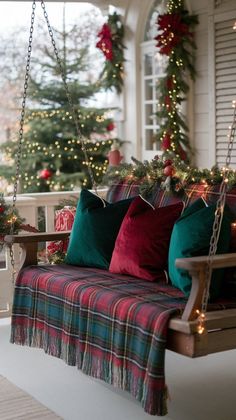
(225, 76)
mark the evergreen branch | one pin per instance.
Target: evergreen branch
(175, 39)
(112, 46)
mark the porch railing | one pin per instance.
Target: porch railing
(28, 206)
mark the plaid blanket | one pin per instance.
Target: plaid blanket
(111, 327)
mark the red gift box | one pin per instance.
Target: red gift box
(64, 220)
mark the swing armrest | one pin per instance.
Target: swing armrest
(23, 238)
(197, 268)
(29, 244)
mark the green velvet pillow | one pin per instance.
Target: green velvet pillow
(94, 231)
(191, 237)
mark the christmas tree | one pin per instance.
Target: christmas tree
(52, 156)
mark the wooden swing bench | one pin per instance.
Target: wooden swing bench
(183, 337)
(98, 321)
(39, 305)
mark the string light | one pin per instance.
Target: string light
(175, 25)
(201, 322)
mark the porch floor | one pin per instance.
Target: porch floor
(201, 388)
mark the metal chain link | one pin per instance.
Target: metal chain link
(20, 137)
(68, 94)
(217, 223)
(22, 120)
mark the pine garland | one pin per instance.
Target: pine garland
(175, 40)
(7, 218)
(173, 175)
(111, 44)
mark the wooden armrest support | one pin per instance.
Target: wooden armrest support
(197, 268)
(29, 244)
(22, 238)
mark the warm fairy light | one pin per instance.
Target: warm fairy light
(201, 322)
(12, 220)
(234, 27)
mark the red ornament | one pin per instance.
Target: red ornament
(166, 142)
(110, 126)
(2, 209)
(45, 174)
(169, 170)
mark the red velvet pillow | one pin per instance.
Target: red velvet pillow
(141, 247)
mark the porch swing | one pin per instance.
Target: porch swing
(196, 331)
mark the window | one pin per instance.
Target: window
(152, 68)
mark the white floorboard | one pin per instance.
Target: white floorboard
(200, 389)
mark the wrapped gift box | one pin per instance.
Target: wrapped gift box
(64, 220)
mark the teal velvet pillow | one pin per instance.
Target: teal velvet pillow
(94, 231)
(191, 237)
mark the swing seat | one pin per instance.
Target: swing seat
(85, 315)
(183, 337)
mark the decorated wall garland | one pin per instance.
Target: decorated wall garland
(111, 44)
(175, 40)
(7, 218)
(173, 175)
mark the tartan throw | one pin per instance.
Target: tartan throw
(110, 326)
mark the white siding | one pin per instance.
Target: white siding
(215, 85)
(200, 131)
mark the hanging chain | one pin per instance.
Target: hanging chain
(22, 121)
(20, 136)
(68, 94)
(217, 225)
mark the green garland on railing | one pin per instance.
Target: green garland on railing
(173, 175)
(7, 218)
(175, 40)
(111, 44)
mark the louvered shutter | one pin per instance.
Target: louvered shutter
(225, 68)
